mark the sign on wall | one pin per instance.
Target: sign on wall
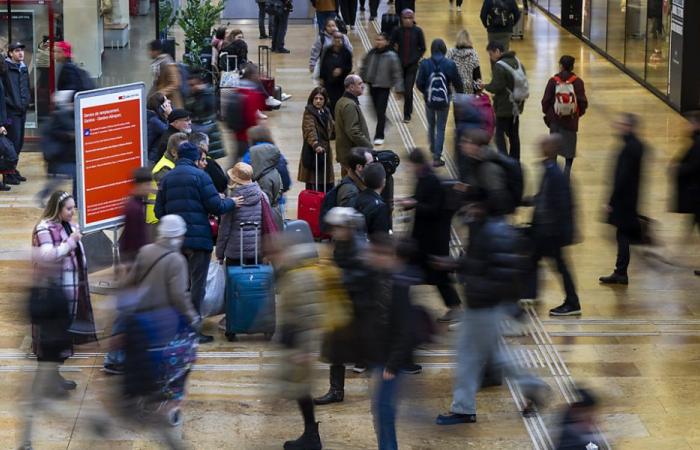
(110, 139)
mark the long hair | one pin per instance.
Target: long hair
(155, 101)
(54, 206)
(318, 90)
(464, 40)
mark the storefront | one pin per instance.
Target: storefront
(654, 41)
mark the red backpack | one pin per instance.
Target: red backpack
(565, 103)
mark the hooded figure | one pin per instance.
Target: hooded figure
(264, 158)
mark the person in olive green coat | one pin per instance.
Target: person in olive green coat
(350, 125)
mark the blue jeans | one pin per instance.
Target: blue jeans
(323, 17)
(117, 357)
(437, 121)
(384, 405)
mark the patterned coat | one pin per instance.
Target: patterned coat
(60, 258)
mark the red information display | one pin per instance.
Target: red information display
(110, 137)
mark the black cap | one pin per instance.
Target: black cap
(176, 114)
(15, 46)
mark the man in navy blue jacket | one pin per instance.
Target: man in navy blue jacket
(189, 192)
(435, 76)
(553, 222)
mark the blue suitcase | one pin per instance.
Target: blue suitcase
(250, 296)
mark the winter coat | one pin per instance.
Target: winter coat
(73, 78)
(61, 132)
(238, 48)
(17, 90)
(202, 108)
(350, 187)
(376, 212)
(166, 284)
(553, 216)
(688, 179)
(3, 108)
(513, 9)
(549, 98)
(409, 44)
(166, 79)
(318, 130)
(156, 128)
(489, 183)
(264, 158)
(330, 60)
(382, 69)
(502, 84)
(494, 265)
(350, 127)
(61, 260)
(446, 66)
(323, 41)
(468, 66)
(135, 234)
(431, 225)
(189, 192)
(228, 243)
(626, 180)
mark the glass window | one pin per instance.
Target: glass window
(658, 44)
(636, 36)
(616, 29)
(555, 8)
(599, 22)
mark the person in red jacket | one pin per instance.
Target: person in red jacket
(563, 103)
(253, 103)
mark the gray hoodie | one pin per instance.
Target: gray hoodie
(228, 242)
(264, 158)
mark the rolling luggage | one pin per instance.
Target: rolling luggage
(229, 78)
(299, 230)
(389, 23)
(309, 208)
(250, 296)
(266, 78)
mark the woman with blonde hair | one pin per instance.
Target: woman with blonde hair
(467, 60)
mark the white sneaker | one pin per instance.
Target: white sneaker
(261, 116)
(378, 141)
(459, 9)
(272, 102)
(286, 96)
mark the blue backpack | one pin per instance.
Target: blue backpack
(438, 93)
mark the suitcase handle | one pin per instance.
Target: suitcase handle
(255, 225)
(264, 49)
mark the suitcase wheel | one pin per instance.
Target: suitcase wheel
(231, 337)
(268, 336)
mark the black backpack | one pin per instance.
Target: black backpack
(499, 15)
(387, 158)
(330, 201)
(515, 180)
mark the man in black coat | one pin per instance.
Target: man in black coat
(622, 207)
(17, 97)
(335, 65)
(408, 41)
(553, 222)
(370, 203)
(687, 172)
(431, 230)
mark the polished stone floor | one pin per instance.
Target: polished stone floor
(636, 347)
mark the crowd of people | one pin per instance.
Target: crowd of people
(187, 214)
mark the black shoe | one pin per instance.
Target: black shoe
(362, 9)
(566, 309)
(491, 381)
(438, 162)
(310, 440)
(412, 369)
(114, 369)
(11, 179)
(283, 50)
(614, 278)
(205, 339)
(333, 396)
(19, 176)
(263, 36)
(4, 187)
(455, 419)
(67, 385)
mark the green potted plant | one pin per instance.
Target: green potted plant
(197, 20)
(166, 19)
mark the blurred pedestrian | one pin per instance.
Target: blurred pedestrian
(409, 42)
(71, 77)
(166, 76)
(437, 76)
(467, 60)
(369, 202)
(350, 124)
(431, 230)
(15, 78)
(264, 158)
(510, 89)
(553, 222)
(499, 17)
(563, 103)
(253, 100)
(318, 130)
(622, 208)
(158, 110)
(202, 107)
(179, 121)
(334, 67)
(578, 424)
(162, 167)
(190, 193)
(229, 240)
(381, 70)
(135, 234)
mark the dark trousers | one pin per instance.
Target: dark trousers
(278, 31)
(623, 252)
(198, 266)
(335, 92)
(261, 20)
(525, 5)
(409, 80)
(556, 254)
(567, 166)
(380, 99)
(15, 130)
(508, 126)
(348, 9)
(373, 8)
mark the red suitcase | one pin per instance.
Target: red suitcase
(266, 78)
(309, 205)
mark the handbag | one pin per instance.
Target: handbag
(269, 225)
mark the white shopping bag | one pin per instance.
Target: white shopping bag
(213, 303)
